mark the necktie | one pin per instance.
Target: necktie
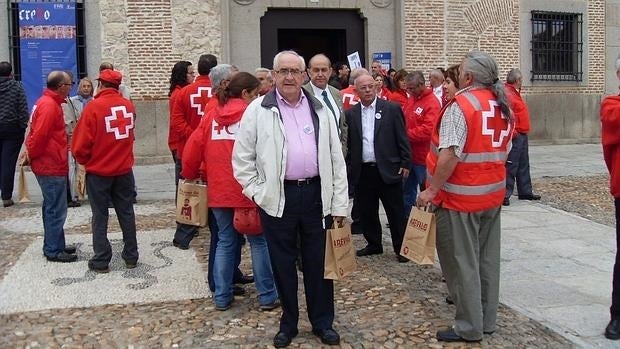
(329, 105)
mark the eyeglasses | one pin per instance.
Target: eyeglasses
(285, 71)
(68, 84)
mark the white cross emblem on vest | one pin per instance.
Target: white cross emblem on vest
(119, 123)
(195, 99)
(494, 126)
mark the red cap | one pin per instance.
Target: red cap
(112, 76)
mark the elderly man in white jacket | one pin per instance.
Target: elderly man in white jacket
(288, 159)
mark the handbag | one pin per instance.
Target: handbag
(419, 240)
(192, 203)
(339, 253)
(246, 220)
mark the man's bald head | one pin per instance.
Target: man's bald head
(56, 78)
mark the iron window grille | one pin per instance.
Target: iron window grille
(13, 26)
(557, 46)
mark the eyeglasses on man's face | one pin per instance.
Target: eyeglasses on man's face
(285, 71)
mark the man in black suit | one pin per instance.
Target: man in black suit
(379, 154)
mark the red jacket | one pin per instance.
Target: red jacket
(420, 116)
(519, 109)
(47, 141)
(212, 143)
(173, 138)
(104, 136)
(399, 96)
(478, 181)
(349, 97)
(610, 137)
(187, 110)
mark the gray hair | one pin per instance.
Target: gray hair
(220, 72)
(484, 71)
(262, 70)
(513, 75)
(356, 73)
(276, 59)
(415, 77)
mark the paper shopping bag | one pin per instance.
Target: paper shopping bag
(192, 203)
(80, 182)
(22, 187)
(419, 240)
(339, 253)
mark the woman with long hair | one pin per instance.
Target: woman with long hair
(212, 144)
(181, 76)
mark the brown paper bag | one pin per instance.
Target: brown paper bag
(339, 253)
(80, 182)
(192, 203)
(22, 187)
(419, 240)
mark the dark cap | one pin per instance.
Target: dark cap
(111, 76)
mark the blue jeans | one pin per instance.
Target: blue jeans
(417, 176)
(54, 191)
(225, 263)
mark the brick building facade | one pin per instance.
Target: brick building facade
(144, 38)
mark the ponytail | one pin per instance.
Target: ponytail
(484, 70)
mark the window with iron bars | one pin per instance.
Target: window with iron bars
(12, 6)
(557, 46)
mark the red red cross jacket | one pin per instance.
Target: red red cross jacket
(212, 143)
(187, 111)
(420, 115)
(610, 137)
(47, 141)
(104, 136)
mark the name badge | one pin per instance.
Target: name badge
(308, 129)
(378, 116)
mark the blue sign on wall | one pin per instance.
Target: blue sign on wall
(385, 58)
(47, 42)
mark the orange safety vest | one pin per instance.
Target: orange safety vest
(479, 179)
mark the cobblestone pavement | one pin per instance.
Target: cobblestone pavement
(384, 304)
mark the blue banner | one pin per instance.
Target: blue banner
(47, 42)
(385, 58)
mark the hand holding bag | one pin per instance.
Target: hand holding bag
(246, 220)
(419, 240)
(339, 253)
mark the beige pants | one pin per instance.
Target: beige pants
(468, 246)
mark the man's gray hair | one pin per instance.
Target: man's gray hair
(513, 76)
(220, 72)
(484, 71)
(262, 70)
(276, 59)
(356, 73)
(415, 77)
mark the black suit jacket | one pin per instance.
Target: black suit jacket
(392, 149)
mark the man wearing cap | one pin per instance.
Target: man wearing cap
(103, 142)
(46, 150)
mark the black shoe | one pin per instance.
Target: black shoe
(100, 270)
(270, 306)
(402, 259)
(367, 251)
(178, 245)
(449, 300)
(224, 307)
(70, 249)
(612, 331)
(488, 332)
(131, 264)
(74, 204)
(506, 202)
(244, 279)
(7, 203)
(196, 233)
(449, 335)
(282, 339)
(62, 257)
(529, 197)
(328, 336)
(238, 290)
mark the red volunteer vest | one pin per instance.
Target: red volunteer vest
(479, 180)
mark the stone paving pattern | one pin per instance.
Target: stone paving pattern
(384, 304)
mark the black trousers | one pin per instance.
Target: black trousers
(370, 190)
(118, 190)
(9, 151)
(615, 292)
(518, 167)
(303, 214)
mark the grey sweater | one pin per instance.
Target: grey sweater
(13, 104)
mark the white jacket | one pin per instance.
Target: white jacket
(259, 157)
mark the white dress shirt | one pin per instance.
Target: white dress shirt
(368, 132)
(318, 93)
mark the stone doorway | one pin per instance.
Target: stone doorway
(336, 33)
